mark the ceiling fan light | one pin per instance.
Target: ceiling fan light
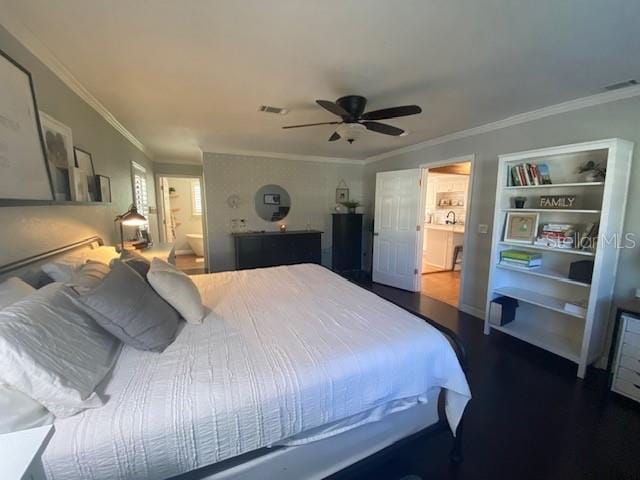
(351, 131)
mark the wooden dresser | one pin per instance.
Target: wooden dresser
(268, 249)
(346, 250)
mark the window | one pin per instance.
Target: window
(196, 197)
(140, 197)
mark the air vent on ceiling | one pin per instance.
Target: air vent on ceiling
(618, 86)
(270, 109)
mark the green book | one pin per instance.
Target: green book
(520, 255)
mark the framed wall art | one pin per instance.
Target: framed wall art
(521, 227)
(84, 162)
(24, 173)
(58, 143)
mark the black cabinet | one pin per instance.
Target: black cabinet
(268, 249)
(346, 252)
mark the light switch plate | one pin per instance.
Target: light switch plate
(483, 228)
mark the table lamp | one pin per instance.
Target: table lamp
(130, 218)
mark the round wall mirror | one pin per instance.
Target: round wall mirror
(272, 203)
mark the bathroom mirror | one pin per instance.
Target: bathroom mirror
(272, 203)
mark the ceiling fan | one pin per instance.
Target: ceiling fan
(355, 121)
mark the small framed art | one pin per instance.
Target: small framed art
(521, 227)
(104, 188)
(84, 162)
(342, 195)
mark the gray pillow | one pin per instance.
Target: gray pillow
(88, 277)
(125, 305)
(135, 261)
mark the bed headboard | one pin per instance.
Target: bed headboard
(28, 268)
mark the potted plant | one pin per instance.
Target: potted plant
(351, 205)
(593, 172)
(519, 202)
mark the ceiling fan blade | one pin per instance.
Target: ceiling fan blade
(334, 137)
(333, 108)
(383, 128)
(392, 112)
(312, 124)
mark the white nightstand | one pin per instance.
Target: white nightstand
(626, 368)
(20, 453)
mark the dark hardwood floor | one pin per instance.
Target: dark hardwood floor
(530, 417)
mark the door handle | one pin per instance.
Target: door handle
(375, 234)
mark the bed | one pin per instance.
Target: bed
(295, 373)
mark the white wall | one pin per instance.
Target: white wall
(311, 186)
(616, 119)
(188, 223)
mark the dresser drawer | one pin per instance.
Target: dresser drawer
(630, 363)
(628, 375)
(632, 339)
(633, 324)
(631, 351)
(627, 388)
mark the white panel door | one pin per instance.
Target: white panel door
(396, 237)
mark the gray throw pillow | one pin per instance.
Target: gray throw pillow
(126, 306)
(88, 277)
(135, 261)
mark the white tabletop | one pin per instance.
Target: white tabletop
(19, 449)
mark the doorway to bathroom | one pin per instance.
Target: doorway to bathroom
(445, 190)
(182, 220)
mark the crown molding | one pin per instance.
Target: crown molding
(284, 156)
(42, 53)
(551, 110)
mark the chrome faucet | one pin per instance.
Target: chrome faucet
(449, 222)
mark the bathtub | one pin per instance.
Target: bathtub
(196, 242)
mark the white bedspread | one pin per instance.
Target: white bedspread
(284, 351)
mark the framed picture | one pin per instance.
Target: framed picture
(271, 199)
(85, 163)
(104, 188)
(58, 143)
(342, 195)
(24, 173)
(521, 227)
(78, 184)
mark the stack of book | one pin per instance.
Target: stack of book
(556, 235)
(520, 259)
(527, 174)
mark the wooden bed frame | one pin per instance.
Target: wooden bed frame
(28, 269)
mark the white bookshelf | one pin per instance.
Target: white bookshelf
(541, 318)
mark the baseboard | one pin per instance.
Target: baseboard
(476, 312)
(184, 252)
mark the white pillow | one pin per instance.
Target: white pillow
(53, 352)
(177, 289)
(12, 290)
(62, 269)
(20, 412)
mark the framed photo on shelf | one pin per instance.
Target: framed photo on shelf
(521, 227)
(104, 188)
(84, 162)
(58, 142)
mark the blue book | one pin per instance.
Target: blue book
(545, 177)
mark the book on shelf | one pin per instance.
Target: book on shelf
(513, 254)
(529, 174)
(521, 258)
(521, 264)
(556, 235)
